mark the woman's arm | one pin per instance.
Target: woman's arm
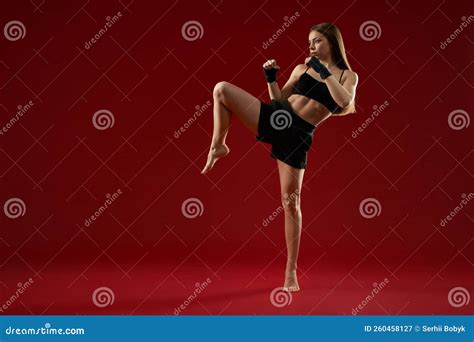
(290, 84)
(274, 91)
(273, 87)
(343, 94)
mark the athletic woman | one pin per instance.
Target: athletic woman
(323, 86)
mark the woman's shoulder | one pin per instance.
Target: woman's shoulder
(298, 70)
(349, 75)
(301, 66)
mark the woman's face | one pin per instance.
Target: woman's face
(318, 45)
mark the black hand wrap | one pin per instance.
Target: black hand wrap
(270, 74)
(319, 67)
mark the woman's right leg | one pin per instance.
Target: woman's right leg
(291, 180)
(230, 99)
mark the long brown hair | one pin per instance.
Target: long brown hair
(338, 52)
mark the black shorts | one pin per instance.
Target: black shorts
(290, 135)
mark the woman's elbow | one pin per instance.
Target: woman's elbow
(285, 95)
(345, 102)
(278, 96)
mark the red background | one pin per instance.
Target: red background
(143, 248)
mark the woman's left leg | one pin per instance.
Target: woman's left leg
(230, 99)
(291, 180)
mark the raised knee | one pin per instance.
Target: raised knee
(220, 88)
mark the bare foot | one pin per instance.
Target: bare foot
(291, 282)
(215, 153)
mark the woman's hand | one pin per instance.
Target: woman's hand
(271, 64)
(319, 67)
(270, 69)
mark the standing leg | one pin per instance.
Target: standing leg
(291, 180)
(230, 99)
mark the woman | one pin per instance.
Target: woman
(322, 87)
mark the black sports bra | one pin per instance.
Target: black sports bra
(310, 87)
